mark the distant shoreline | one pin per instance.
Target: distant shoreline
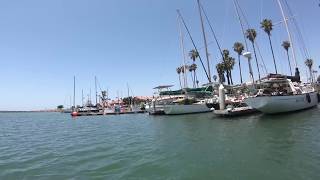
(29, 111)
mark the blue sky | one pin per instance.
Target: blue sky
(44, 43)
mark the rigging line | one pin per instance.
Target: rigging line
(211, 28)
(241, 24)
(194, 45)
(298, 30)
(248, 25)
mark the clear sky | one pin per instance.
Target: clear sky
(43, 43)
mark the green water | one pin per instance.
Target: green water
(201, 146)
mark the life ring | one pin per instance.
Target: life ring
(308, 98)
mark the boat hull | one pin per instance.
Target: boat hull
(282, 104)
(185, 109)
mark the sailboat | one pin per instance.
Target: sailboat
(186, 101)
(280, 93)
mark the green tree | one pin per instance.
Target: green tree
(220, 70)
(309, 64)
(225, 54)
(193, 68)
(238, 47)
(229, 64)
(194, 55)
(214, 77)
(251, 34)
(267, 26)
(286, 45)
(179, 74)
(60, 107)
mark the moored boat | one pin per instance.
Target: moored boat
(186, 108)
(281, 95)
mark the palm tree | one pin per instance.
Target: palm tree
(193, 67)
(225, 54)
(309, 63)
(251, 34)
(286, 45)
(214, 77)
(267, 26)
(193, 54)
(238, 47)
(229, 64)
(220, 70)
(179, 70)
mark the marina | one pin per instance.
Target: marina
(160, 90)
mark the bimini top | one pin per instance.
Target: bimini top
(163, 86)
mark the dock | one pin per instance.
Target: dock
(238, 111)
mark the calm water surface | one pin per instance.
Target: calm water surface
(201, 146)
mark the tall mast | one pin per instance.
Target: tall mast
(204, 40)
(289, 34)
(245, 41)
(95, 86)
(74, 92)
(185, 81)
(82, 97)
(194, 45)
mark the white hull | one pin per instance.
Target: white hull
(281, 104)
(185, 109)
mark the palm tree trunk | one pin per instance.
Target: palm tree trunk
(289, 63)
(255, 55)
(230, 74)
(194, 78)
(274, 60)
(180, 81)
(311, 76)
(240, 68)
(228, 78)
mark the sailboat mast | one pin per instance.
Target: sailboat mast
(82, 97)
(204, 40)
(74, 92)
(95, 86)
(289, 34)
(245, 40)
(185, 81)
(194, 45)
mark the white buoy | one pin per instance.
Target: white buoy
(222, 97)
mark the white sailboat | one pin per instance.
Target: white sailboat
(280, 95)
(186, 106)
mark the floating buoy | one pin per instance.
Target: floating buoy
(74, 113)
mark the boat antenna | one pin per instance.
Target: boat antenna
(204, 40)
(194, 45)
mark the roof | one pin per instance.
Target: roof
(163, 86)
